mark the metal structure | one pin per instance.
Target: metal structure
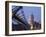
(21, 20)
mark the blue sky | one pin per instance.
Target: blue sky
(36, 11)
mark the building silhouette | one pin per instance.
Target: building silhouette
(33, 24)
(31, 21)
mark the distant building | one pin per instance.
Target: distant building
(33, 25)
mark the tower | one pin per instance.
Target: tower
(32, 18)
(31, 21)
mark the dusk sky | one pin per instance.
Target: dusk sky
(36, 11)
